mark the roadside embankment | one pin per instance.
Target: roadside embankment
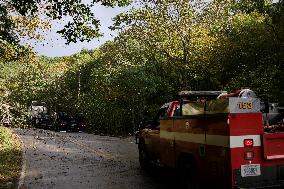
(10, 158)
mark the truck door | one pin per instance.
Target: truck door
(167, 139)
(152, 136)
(167, 143)
(152, 133)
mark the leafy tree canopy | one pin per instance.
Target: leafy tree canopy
(24, 18)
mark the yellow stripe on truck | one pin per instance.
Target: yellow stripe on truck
(186, 137)
(215, 140)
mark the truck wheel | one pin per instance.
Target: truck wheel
(189, 175)
(143, 156)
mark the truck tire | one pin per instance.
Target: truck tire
(143, 156)
(189, 175)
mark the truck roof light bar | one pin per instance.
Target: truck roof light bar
(200, 93)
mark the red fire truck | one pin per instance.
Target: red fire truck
(215, 143)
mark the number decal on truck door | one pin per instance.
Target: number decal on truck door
(246, 105)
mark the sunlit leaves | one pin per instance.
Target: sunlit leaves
(30, 27)
(9, 53)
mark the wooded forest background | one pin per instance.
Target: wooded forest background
(163, 47)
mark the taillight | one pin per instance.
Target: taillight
(248, 142)
(249, 155)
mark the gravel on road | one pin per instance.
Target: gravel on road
(81, 160)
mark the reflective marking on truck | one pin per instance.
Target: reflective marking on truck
(190, 137)
(147, 141)
(187, 137)
(215, 140)
(238, 141)
(275, 157)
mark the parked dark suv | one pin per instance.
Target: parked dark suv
(61, 121)
(46, 122)
(72, 125)
(81, 121)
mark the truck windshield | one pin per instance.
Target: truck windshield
(193, 108)
(205, 107)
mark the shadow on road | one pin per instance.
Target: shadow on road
(164, 178)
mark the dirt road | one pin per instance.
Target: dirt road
(80, 160)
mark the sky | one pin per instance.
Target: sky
(54, 44)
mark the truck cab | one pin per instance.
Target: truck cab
(150, 134)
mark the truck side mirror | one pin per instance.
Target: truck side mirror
(148, 124)
(141, 125)
(266, 107)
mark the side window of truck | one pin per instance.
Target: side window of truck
(177, 110)
(163, 113)
(193, 108)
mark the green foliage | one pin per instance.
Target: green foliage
(6, 26)
(10, 158)
(163, 47)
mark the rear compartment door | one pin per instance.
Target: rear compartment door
(273, 146)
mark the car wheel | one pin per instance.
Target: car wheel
(189, 175)
(143, 156)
